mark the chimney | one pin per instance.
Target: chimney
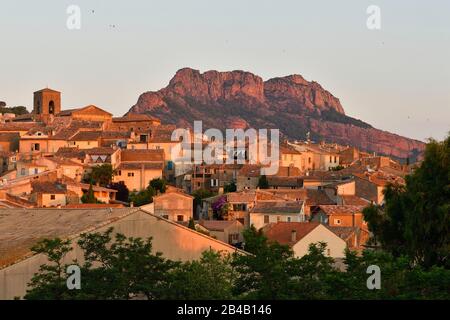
(294, 236)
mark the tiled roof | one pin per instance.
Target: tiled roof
(49, 187)
(86, 136)
(144, 155)
(64, 161)
(20, 229)
(354, 200)
(132, 117)
(71, 153)
(9, 136)
(250, 170)
(17, 126)
(278, 207)
(93, 205)
(241, 197)
(342, 232)
(64, 134)
(341, 209)
(115, 135)
(281, 232)
(138, 166)
(100, 150)
(47, 90)
(275, 181)
(217, 225)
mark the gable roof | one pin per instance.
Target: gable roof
(20, 229)
(69, 112)
(86, 136)
(341, 209)
(281, 232)
(276, 207)
(142, 155)
(49, 187)
(218, 225)
(46, 90)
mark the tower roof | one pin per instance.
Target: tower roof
(46, 90)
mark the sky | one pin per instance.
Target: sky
(396, 78)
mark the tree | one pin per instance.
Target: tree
(191, 224)
(123, 193)
(115, 268)
(209, 278)
(263, 183)
(265, 273)
(231, 187)
(50, 282)
(102, 174)
(142, 197)
(18, 110)
(159, 185)
(89, 196)
(416, 218)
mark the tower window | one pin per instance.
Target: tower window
(51, 107)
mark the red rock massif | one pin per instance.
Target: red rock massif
(239, 99)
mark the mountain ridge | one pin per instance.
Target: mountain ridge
(241, 99)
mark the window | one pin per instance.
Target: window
(214, 182)
(36, 170)
(288, 219)
(180, 217)
(22, 171)
(52, 197)
(131, 174)
(278, 218)
(335, 159)
(36, 147)
(266, 219)
(337, 221)
(165, 216)
(120, 172)
(88, 143)
(309, 160)
(51, 107)
(328, 252)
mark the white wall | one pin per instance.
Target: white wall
(321, 234)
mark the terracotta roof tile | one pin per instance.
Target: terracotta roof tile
(281, 232)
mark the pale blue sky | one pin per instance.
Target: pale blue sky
(397, 78)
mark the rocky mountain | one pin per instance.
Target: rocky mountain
(239, 99)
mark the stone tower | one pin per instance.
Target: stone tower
(46, 102)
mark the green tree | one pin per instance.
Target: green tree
(123, 193)
(231, 187)
(263, 183)
(50, 282)
(102, 174)
(209, 278)
(89, 196)
(114, 268)
(416, 218)
(18, 110)
(265, 273)
(191, 224)
(142, 197)
(159, 185)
